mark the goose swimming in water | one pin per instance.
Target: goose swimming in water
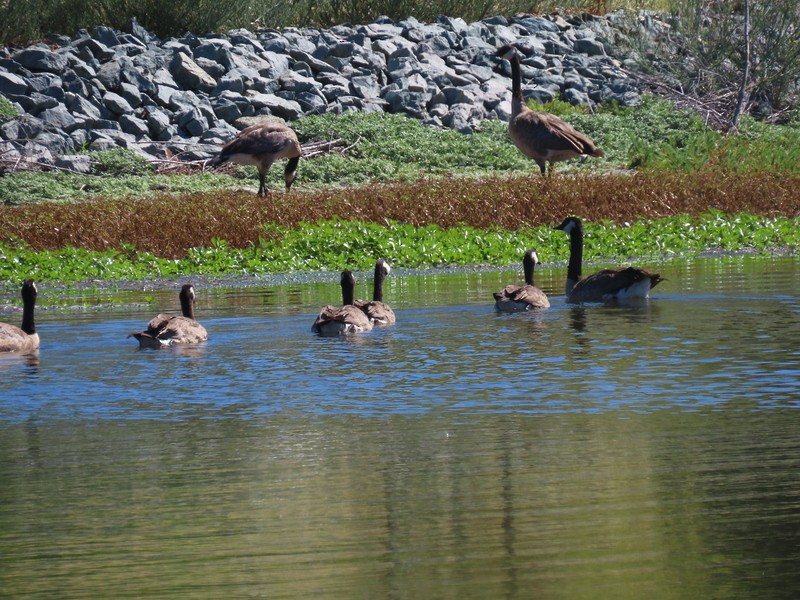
(24, 338)
(541, 136)
(341, 320)
(379, 313)
(608, 284)
(522, 297)
(167, 330)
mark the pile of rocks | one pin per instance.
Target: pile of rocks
(106, 88)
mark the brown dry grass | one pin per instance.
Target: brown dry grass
(167, 226)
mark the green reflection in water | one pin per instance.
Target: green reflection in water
(623, 505)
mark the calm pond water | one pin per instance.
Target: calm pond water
(582, 452)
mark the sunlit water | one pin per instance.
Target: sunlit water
(581, 452)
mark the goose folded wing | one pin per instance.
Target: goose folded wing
(563, 136)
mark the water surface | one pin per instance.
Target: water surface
(581, 452)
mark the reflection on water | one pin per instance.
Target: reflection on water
(581, 452)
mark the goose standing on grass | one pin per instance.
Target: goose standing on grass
(605, 285)
(379, 313)
(167, 330)
(522, 297)
(340, 320)
(541, 136)
(23, 338)
(261, 145)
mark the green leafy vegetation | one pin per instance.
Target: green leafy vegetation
(385, 148)
(6, 108)
(339, 244)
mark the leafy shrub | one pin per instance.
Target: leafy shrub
(119, 162)
(7, 110)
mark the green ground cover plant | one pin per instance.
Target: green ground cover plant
(338, 244)
(386, 148)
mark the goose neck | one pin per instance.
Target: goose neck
(28, 325)
(575, 254)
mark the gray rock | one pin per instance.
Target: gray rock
(410, 103)
(34, 103)
(189, 75)
(73, 84)
(315, 65)
(157, 123)
(12, 85)
(117, 104)
(575, 96)
(82, 107)
(536, 24)
(333, 92)
(41, 58)
(540, 94)
(274, 65)
(76, 163)
(454, 95)
(110, 75)
(590, 47)
(213, 68)
(275, 105)
(96, 49)
(182, 100)
(227, 110)
(295, 82)
(463, 117)
(192, 121)
(106, 35)
(56, 142)
(230, 82)
(365, 86)
(59, 117)
(134, 125)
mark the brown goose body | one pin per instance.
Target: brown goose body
(23, 339)
(341, 320)
(609, 284)
(378, 312)
(542, 137)
(165, 330)
(260, 146)
(522, 297)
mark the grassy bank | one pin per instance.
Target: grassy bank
(419, 197)
(384, 148)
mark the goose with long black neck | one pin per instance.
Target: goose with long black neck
(378, 312)
(606, 285)
(522, 297)
(345, 319)
(23, 339)
(165, 330)
(541, 136)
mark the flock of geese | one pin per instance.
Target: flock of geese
(540, 136)
(355, 316)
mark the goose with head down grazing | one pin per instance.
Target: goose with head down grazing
(341, 320)
(541, 136)
(24, 338)
(522, 297)
(260, 146)
(609, 284)
(166, 330)
(379, 313)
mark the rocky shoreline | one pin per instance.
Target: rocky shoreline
(105, 88)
